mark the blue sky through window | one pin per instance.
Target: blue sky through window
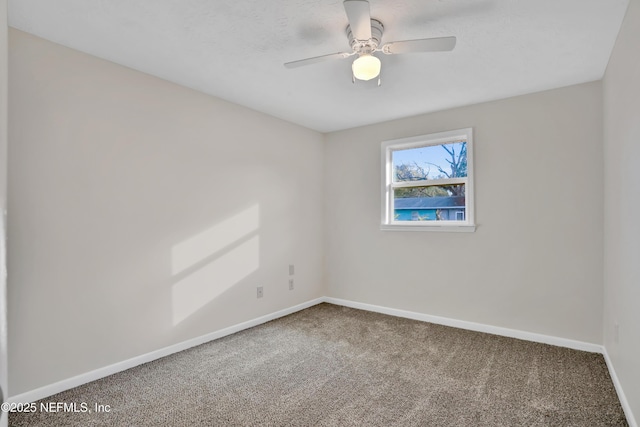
(427, 157)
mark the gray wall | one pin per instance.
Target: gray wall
(3, 201)
(535, 261)
(121, 188)
(622, 204)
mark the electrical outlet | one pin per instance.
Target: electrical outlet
(290, 284)
(616, 332)
(260, 292)
(291, 270)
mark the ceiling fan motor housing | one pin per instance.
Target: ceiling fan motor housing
(367, 46)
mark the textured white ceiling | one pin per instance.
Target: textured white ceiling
(235, 50)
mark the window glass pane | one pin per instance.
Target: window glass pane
(433, 203)
(430, 162)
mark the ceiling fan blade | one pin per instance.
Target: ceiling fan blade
(316, 59)
(438, 44)
(359, 18)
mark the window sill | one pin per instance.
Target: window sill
(447, 228)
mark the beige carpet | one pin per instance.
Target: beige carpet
(335, 366)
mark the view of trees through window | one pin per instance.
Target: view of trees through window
(430, 163)
(429, 182)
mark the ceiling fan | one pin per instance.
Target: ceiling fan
(365, 35)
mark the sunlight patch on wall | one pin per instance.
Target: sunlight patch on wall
(204, 285)
(220, 257)
(205, 244)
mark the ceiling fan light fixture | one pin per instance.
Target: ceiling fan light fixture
(366, 67)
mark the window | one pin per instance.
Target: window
(428, 182)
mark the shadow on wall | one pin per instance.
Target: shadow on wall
(213, 261)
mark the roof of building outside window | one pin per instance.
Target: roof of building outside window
(429, 202)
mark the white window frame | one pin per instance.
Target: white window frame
(388, 147)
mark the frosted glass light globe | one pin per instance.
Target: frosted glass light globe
(366, 67)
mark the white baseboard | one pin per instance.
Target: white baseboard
(472, 326)
(60, 386)
(616, 382)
